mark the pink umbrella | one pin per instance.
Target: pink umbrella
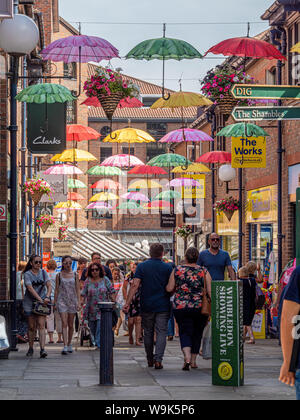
(136, 196)
(106, 184)
(63, 170)
(183, 182)
(187, 135)
(122, 161)
(124, 103)
(80, 48)
(99, 205)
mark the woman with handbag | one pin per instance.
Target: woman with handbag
(67, 301)
(36, 302)
(97, 288)
(189, 282)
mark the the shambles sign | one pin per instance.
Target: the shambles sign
(46, 132)
(227, 333)
(248, 152)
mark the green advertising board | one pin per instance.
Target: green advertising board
(270, 113)
(227, 333)
(243, 91)
(298, 226)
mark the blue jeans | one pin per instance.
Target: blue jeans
(171, 326)
(298, 385)
(95, 331)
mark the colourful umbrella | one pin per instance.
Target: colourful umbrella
(104, 196)
(80, 48)
(183, 182)
(78, 132)
(129, 205)
(129, 135)
(143, 184)
(74, 155)
(185, 135)
(247, 47)
(107, 184)
(105, 171)
(99, 205)
(122, 161)
(75, 183)
(193, 168)
(124, 103)
(63, 170)
(147, 170)
(215, 157)
(243, 130)
(73, 196)
(48, 93)
(182, 100)
(168, 195)
(158, 205)
(168, 160)
(135, 196)
(69, 205)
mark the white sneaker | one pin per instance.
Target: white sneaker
(70, 349)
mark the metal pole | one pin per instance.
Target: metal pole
(241, 217)
(23, 168)
(107, 342)
(30, 210)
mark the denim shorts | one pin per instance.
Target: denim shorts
(298, 384)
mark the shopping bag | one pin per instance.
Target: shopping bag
(4, 344)
(206, 342)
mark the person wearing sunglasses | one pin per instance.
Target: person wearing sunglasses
(38, 288)
(97, 288)
(215, 260)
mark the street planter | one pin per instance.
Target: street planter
(36, 188)
(184, 231)
(228, 206)
(45, 221)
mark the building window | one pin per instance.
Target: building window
(105, 152)
(148, 101)
(101, 214)
(271, 76)
(105, 130)
(70, 70)
(71, 112)
(125, 150)
(155, 149)
(157, 130)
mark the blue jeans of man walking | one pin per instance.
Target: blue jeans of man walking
(297, 384)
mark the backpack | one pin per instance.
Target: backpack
(260, 299)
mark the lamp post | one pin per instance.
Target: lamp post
(18, 37)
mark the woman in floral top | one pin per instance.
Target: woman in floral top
(97, 288)
(187, 282)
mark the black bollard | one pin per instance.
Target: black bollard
(106, 344)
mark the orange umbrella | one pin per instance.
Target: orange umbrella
(78, 132)
(106, 184)
(74, 196)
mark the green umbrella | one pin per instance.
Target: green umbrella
(42, 93)
(75, 183)
(164, 49)
(168, 160)
(168, 195)
(129, 205)
(105, 171)
(243, 130)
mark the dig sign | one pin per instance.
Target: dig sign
(248, 152)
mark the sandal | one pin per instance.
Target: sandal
(250, 342)
(186, 366)
(138, 343)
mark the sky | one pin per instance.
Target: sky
(202, 23)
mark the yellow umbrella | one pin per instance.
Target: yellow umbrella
(69, 205)
(129, 135)
(104, 196)
(75, 155)
(182, 100)
(193, 168)
(296, 48)
(56, 157)
(142, 184)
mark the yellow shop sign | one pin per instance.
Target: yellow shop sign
(262, 205)
(248, 152)
(194, 192)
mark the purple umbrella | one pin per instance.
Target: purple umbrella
(136, 196)
(183, 182)
(99, 205)
(80, 48)
(187, 135)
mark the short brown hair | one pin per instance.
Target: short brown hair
(191, 255)
(101, 270)
(156, 250)
(51, 265)
(22, 265)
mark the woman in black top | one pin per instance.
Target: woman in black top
(249, 297)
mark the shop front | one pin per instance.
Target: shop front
(294, 183)
(229, 233)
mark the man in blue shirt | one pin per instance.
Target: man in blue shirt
(215, 260)
(290, 334)
(153, 276)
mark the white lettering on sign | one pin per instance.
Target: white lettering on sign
(43, 140)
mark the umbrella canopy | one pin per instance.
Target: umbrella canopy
(168, 195)
(129, 135)
(80, 48)
(168, 160)
(296, 48)
(74, 155)
(105, 171)
(104, 196)
(73, 196)
(42, 93)
(215, 157)
(129, 205)
(122, 161)
(69, 205)
(183, 182)
(63, 170)
(143, 184)
(75, 183)
(124, 103)
(78, 132)
(196, 168)
(107, 184)
(182, 100)
(147, 170)
(158, 205)
(99, 205)
(137, 196)
(247, 47)
(243, 130)
(186, 135)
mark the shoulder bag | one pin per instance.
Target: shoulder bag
(39, 308)
(206, 300)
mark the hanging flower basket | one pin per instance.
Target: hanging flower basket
(37, 188)
(45, 221)
(184, 231)
(62, 233)
(110, 88)
(228, 206)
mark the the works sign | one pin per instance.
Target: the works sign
(46, 128)
(227, 333)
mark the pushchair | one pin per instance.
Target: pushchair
(84, 332)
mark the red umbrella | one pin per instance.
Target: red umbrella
(78, 132)
(73, 196)
(215, 157)
(124, 103)
(247, 47)
(106, 184)
(147, 170)
(158, 205)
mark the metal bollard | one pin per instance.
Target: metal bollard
(106, 344)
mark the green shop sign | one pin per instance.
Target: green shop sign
(265, 92)
(249, 113)
(227, 333)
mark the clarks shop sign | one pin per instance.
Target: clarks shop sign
(46, 128)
